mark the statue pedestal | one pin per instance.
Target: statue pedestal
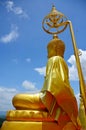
(29, 120)
(20, 125)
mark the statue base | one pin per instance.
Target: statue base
(20, 125)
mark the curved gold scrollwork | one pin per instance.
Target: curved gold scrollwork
(55, 22)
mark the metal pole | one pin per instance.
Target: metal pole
(80, 74)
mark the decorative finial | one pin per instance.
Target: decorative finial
(53, 5)
(53, 23)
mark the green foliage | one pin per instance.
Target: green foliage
(2, 118)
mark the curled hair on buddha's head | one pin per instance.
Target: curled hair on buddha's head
(56, 47)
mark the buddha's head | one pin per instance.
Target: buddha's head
(56, 47)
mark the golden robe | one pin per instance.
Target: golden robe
(64, 105)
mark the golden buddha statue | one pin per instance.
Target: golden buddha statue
(56, 97)
(55, 106)
(33, 101)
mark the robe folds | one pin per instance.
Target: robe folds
(58, 95)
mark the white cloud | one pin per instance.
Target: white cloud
(73, 74)
(11, 7)
(6, 95)
(11, 36)
(29, 86)
(41, 70)
(83, 62)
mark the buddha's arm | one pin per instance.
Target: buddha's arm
(64, 73)
(56, 69)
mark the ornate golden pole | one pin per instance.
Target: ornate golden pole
(80, 74)
(54, 23)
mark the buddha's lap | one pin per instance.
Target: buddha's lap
(28, 101)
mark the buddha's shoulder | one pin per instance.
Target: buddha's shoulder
(57, 60)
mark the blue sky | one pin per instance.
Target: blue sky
(23, 53)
